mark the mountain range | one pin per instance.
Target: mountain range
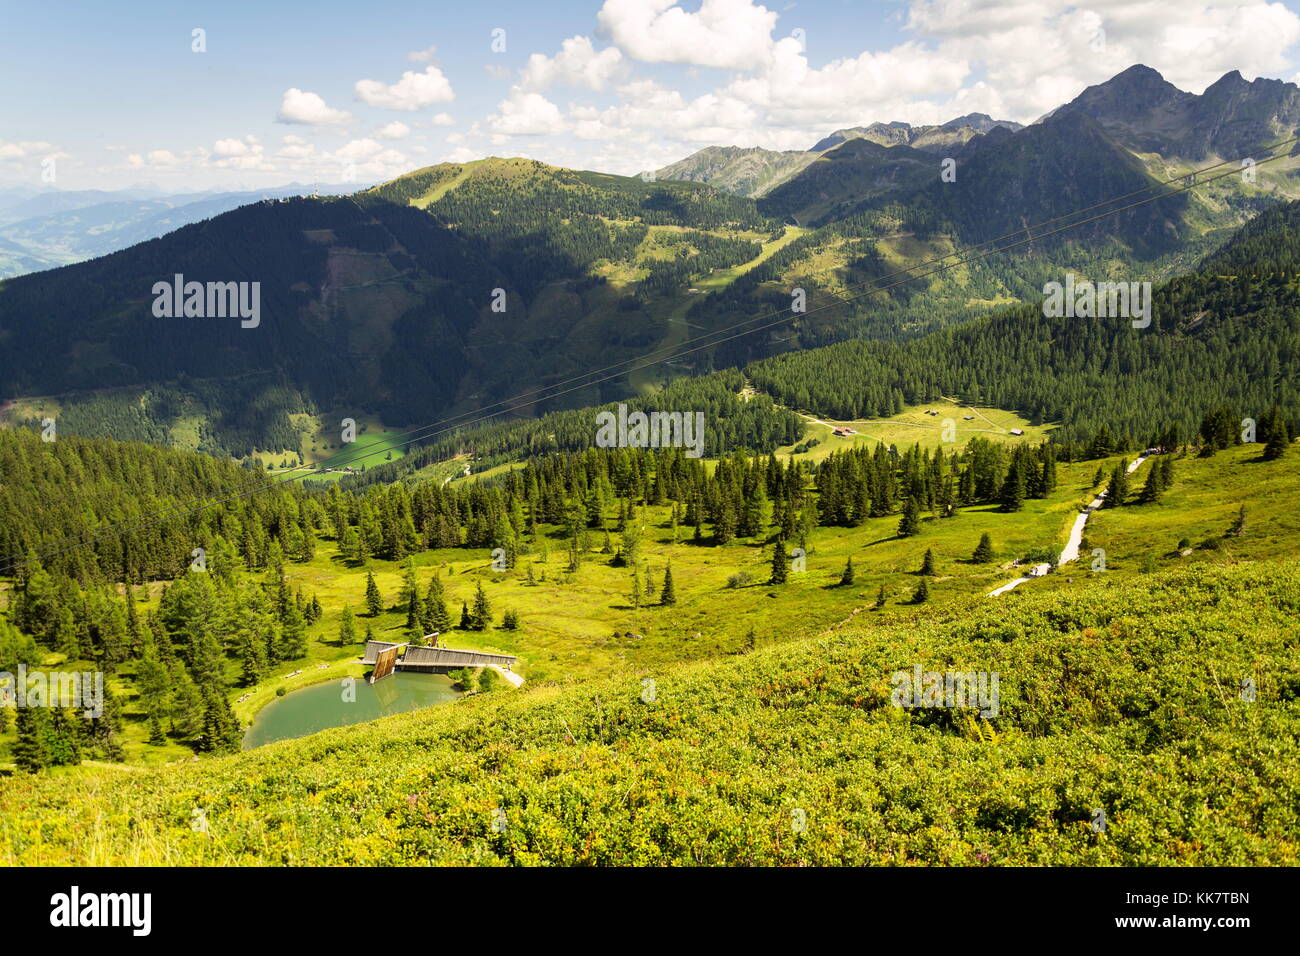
(51, 228)
(457, 286)
(755, 172)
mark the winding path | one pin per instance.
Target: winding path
(1071, 550)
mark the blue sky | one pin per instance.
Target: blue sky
(115, 96)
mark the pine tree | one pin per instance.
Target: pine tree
(510, 620)
(31, 750)
(880, 598)
(927, 563)
(481, 615)
(436, 617)
(1166, 472)
(293, 635)
(156, 736)
(1239, 525)
(466, 623)
(846, 577)
(61, 740)
(1117, 490)
(1152, 490)
(1273, 431)
(414, 610)
(910, 524)
(637, 594)
(220, 727)
(252, 655)
(1012, 495)
(374, 601)
(347, 628)
(984, 550)
(668, 594)
(780, 564)
(922, 593)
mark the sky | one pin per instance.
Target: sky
(246, 95)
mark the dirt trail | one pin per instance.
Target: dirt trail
(1071, 550)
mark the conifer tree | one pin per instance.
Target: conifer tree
(374, 601)
(1117, 490)
(910, 523)
(1166, 472)
(1273, 432)
(414, 607)
(436, 617)
(481, 615)
(293, 635)
(922, 592)
(1012, 496)
(347, 628)
(846, 577)
(31, 750)
(927, 563)
(780, 564)
(1152, 489)
(668, 594)
(984, 550)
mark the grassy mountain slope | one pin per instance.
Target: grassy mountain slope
(1120, 697)
(744, 171)
(381, 304)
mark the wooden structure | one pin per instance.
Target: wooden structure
(382, 655)
(434, 658)
(387, 656)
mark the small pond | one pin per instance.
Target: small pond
(322, 706)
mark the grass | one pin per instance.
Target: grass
(569, 622)
(913, 426)
(1111, 697)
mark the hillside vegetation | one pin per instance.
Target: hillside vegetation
(1121, 697)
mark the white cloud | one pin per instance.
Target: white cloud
(526, 114)
(577, 64)
(359, 149)
(308, 109)
(1039, 55)
(462, 154)
(243, 153)
(412, 92)
(393, 130)
(422, 56)
(25, 149)
(295, 148)
(442, 119)
(732, 34)
(154, 158)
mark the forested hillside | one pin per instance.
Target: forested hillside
(1217, 337)
(370, 305)
(458, 286)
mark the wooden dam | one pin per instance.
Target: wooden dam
(388, 656)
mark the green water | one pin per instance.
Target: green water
(322, 706)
